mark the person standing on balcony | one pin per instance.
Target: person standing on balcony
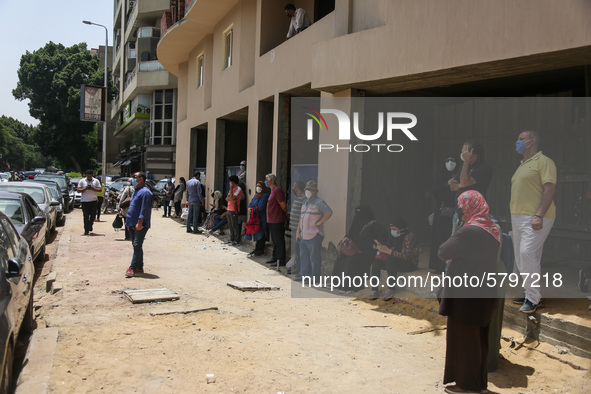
(299, 20)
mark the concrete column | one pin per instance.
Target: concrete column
(338, 172)
(216, 140)
(342, 24)
(281, 136)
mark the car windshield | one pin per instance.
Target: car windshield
(4, 176)
(35, 192)
(13, 209)
(55, 193)
(57, 179)
(117, 185)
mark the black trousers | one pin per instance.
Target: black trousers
(89, 214)
(277, 232)
(99, 204)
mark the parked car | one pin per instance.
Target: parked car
(57, 195)
(28, 219)
(28, 174)
(64, 182)
(4, 176)
(118, 185)
(42, 197)
(74, 186)
(16, 295)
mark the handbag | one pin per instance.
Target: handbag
(125, 202)
(118, 222)
(347, 247)
(254, 223)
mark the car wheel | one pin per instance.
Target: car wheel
(62, 221)
(5, 386)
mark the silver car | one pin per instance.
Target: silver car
(42, 196)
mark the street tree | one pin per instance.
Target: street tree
(17, 146)
(50, 79)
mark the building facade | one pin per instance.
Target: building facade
(144, 112)
(238, 75)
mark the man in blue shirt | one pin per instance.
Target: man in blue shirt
(138, 222)
(195, 200)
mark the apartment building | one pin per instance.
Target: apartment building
(238, 76)
(144, 112)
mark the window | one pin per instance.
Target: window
(228, 42)
(162, 122)
(11, 238)
(200, 65)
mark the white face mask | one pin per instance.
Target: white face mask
(259, 189)
(308, 194)
(462, 156)
(450, 165)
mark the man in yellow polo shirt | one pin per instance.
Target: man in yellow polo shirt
(532, 214)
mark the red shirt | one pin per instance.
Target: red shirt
(274, 212)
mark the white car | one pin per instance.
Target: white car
(42, 196)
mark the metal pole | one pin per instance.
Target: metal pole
(104, 161)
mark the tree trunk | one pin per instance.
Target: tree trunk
(76, 164)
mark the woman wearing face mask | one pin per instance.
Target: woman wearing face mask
(470, 252)
(445, 205)
(400, 253)
(258, 205)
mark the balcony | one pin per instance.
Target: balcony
(178, 39)
(146, 77)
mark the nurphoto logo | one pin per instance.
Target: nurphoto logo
(391, 120)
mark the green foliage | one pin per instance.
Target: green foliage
(17, 146)
(75, 175)
(50, 78)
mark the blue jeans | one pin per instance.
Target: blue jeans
(310, 258)
(193, 216)
(137, 240)
(219, 223)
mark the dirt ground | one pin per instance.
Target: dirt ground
(267, 342)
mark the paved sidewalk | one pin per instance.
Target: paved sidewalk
(256, 341)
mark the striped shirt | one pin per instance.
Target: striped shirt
(296, 211)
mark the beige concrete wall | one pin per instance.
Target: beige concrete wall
(460, 32)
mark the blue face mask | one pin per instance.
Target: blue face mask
(520, 147)
(243, 167)
(134, 182)
(395, 233)
(267, 184)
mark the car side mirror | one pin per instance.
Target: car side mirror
(54, 203)
(14, 268)
(39, 219)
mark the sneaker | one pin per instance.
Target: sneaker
(519, 301)
(529, 307)
(583, 286)
(388, 295)
(228, 242)
(374, 295)
(138, 271)
(130, 273)
(197, 232)
(273, 261)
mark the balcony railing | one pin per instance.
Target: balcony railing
(149, 66)
(174, 14)
(152, 65)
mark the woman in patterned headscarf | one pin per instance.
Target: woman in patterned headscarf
(471, 252)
